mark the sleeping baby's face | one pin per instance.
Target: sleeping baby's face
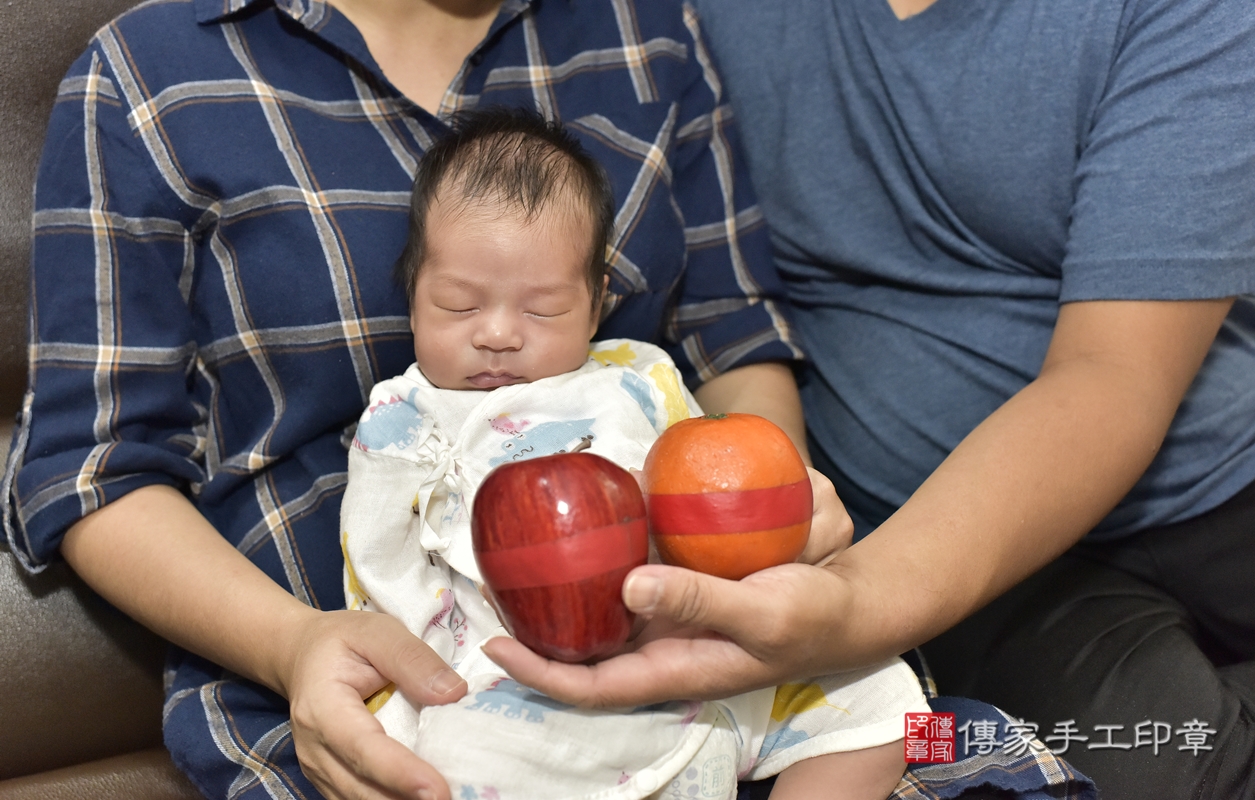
(501, 299)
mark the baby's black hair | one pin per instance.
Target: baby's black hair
(516, 157)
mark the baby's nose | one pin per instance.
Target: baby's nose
(497, 331)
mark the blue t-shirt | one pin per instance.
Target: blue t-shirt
(936, 187)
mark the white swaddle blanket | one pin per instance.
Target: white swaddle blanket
(419, 456)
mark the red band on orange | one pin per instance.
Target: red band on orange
(730, 512)
(568, 560)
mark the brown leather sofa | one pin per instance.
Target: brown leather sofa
(80, 684)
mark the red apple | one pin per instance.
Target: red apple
(554, 538)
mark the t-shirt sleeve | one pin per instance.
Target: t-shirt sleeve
(108, 408)
(1166, 177)
(729, 310)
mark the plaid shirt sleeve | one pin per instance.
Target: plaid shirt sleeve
(111, 336)
(729, 310)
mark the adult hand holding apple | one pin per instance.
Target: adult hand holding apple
(709, 638)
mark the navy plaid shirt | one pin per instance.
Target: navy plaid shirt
(223, 193)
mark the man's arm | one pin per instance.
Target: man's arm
(1024, 486)
(1041, 471)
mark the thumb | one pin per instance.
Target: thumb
(689, 598)
(417, 670)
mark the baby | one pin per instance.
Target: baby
(506, 275)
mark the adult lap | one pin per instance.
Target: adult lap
(1130, 635)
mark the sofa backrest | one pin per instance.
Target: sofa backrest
(78, 681)
(40, 39)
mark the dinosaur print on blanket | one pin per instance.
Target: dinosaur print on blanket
(393, 422)
(545, 439)
(515, 701)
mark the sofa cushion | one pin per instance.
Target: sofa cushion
(146, 775)
(78, 680)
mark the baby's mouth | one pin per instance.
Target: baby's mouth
(491, 380)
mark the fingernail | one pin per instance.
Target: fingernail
(642, 593)
(426, 794)
(444, 681)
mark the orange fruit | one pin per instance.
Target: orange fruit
(727, 494)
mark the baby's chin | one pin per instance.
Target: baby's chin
(492, 379)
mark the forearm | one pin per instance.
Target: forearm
(767, 389)
(1021, 488)
(154, 556)
(1024, 486)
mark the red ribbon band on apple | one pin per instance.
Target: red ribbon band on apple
(748, 510)
(570, 559)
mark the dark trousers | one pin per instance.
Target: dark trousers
(1155, 633)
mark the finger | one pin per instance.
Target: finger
(669, 668)
(347, 656)
(832, 530)
(400, 656)
(346, 752)
(336, 781)
(689, 598)
(369, 761)
(729, 627)
(639, 476)
(573, 683)
(767, 613)
(732, 637)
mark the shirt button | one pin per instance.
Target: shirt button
(647, 780)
